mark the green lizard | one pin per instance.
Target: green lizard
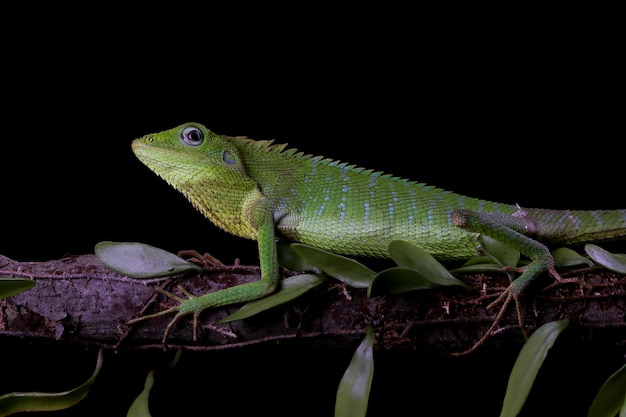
(261, 190)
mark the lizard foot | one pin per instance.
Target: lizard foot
(558, 280)
(196, 304)
(505, 298)
(180, 310)
(205, 261)
(512, 293)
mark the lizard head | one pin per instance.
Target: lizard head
(207, 168)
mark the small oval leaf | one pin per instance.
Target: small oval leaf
(291, 288)
(483, 259)
(611, 261)
(565, 257)
(346, 270)
(408, 255)
(527, 366)
(398, 280)
(479, 267)
(11, 286)
(499, 252)
(139, 260)
(292, 260)
(354, 387)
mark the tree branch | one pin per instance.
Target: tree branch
(78, 300)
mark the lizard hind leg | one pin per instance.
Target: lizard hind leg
(508, 230)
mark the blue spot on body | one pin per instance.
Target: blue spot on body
(342, 214)
(598, 217)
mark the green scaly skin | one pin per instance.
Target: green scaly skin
(260, 190)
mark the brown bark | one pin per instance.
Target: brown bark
(78, 300)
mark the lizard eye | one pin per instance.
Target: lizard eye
(192, 136)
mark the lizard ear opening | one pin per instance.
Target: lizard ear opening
(228, 157)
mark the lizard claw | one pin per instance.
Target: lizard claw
(205, 261)
(176, 309)
(506, 297)
(512, 293)
(176, 318)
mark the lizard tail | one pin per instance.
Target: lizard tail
(579, 226)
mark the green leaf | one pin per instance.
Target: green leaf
(292, 260)
(344, 269)
(354, 387)
(527, 366)
(611, 261)
(11, 286)
(398, 280)
(291, 287)
(140, 407)
(483, 259)
(139, 260)
(483, 263)
(479, 267)
(408, 255)
(611, 398)
(499, 252)
(17, 402)
(565, 257)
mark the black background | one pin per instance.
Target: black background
(521, 112)
(537, 131)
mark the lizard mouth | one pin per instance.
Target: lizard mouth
(154, 155)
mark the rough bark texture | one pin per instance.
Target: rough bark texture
(78, 300)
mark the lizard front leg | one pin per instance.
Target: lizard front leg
(508, 230)
(240, 293)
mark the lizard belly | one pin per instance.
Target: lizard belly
(372, 240)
